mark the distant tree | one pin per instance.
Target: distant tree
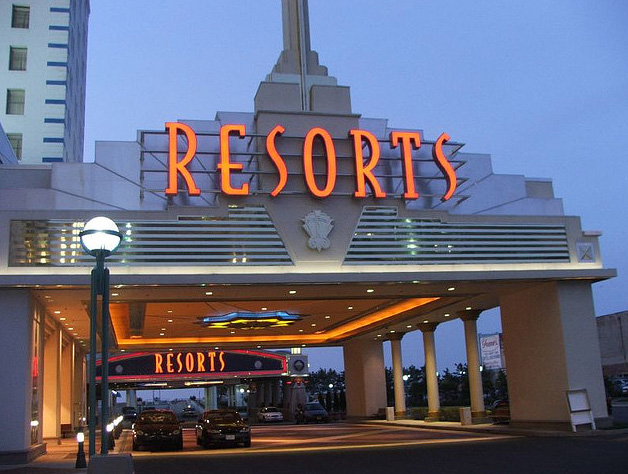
(501, 385)
(328, 401)
(337, 401)
(343, 401)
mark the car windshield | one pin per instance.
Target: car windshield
(313, 406)
(223, 417)
(158, 417)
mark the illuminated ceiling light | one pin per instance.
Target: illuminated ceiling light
(62, 319)
(451, 288)
(327, 317)
(302, 345)
(379, 335)
(264, 308)
(425, 321)
(446, 315)
(370, 290)
(293, 292)
(170, 320)
(169, 311)
(232, 332)
(163, 329)
(416, 282)
(350, 307)
(121, 350)
(300, 330)
(216, 348)
(392, 331)
(115, 294)
(468, 308)
(170, 349)
(47, 296)
(209, 293)
(313, 324)
(70, 329)
(409, 326)
(259, 347)
(57, 312)
(161, 334)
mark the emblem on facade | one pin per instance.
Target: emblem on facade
(318, 225)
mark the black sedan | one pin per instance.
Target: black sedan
(157, 429)
(222, 427)
(313, 412)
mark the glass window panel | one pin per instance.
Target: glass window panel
(15, 101)
(16, 142)
(17, 59)
(21, 16)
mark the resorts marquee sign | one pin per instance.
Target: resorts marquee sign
(406, 141)
(193, 364)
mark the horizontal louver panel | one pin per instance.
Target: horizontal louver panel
(246, 237)
(381, 237)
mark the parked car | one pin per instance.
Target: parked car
(189, 412)
(500, 411)
(268, 414)
(222, 427)
(157, 429)
(129, 416)
(314, 412)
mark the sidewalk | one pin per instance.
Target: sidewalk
(60, 457)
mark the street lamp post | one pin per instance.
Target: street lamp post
(100, 237)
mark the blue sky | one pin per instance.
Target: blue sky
(541, 86)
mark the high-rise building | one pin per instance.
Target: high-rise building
(43, 58)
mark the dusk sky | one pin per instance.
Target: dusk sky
(541, 86)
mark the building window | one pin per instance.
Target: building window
(21, 16)
(15, 139)
(17, 59)
(15, 101)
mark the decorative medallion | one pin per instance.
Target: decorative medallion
(249, 320)
(318, 225)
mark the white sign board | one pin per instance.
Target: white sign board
(491, 351)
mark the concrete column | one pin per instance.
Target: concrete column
(268, 395)
(551, 346)
(429, 347)
(52, 385)
(16, 373)
(78, 385)
(131, 398)
(261, 394)
(211, 400)
(365, 377)
(397, 367)
(67, 371)
(470, 317)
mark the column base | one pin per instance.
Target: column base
(22, 457)
(432, 416)
(401, 415)
(480, 417)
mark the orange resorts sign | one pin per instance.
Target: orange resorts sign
(405, 141)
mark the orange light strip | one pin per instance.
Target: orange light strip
(344, 330)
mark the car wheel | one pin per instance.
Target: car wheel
(247, 443)
(180, 444)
